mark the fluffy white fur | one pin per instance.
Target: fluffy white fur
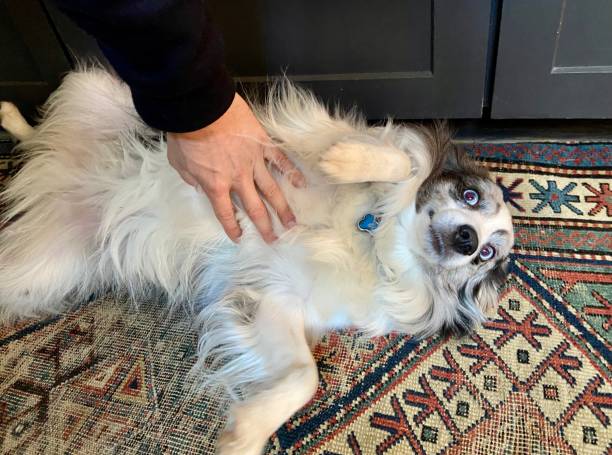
(97, 207)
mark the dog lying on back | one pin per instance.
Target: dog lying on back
(397, 231)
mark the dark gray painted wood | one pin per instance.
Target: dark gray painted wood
(404, 58)
(554, 60)
(321, 38)
(32, 58)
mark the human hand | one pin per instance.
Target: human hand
(230, 155)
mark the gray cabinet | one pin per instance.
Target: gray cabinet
(404, 58)
(554, 60)
(32, 58)
(401, 58)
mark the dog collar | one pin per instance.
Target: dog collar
(368, 223)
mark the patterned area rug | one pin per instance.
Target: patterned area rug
(105, 379)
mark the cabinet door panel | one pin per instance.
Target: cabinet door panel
(554, 60)
(404, 58)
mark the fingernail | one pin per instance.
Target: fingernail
(291, 224)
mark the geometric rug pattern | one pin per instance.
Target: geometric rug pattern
(106, 378)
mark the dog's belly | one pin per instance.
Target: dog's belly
(335, 291)
(337, 302)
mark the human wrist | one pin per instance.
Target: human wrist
(220, 124)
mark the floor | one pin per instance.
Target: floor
(559, 131)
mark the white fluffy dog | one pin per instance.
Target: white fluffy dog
(397, 231)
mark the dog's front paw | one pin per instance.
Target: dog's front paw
(356, 162)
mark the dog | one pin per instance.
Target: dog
(398, 230)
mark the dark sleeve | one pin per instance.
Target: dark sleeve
(168, 52)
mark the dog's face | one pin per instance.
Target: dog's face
(464, 234)
(462, 220)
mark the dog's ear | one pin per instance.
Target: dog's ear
(477, 300)
(487, 291)
(457, 161)
(353, 161)
(456, 158)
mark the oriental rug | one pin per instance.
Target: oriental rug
(105, 379)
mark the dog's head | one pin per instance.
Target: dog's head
(461, 216)
(463, 236)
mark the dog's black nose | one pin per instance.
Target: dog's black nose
(465, 240)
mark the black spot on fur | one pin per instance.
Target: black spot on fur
(455, 329)
(495, 277)
(468, 307)
(463, 322)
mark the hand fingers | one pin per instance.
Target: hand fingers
(220, 200)
(256, 210)
(273, 194)
(285, 166)
(224, 211)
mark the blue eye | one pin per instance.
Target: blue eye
(471, 197)
(487, 252)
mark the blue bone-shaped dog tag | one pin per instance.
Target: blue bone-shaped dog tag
(368, 223)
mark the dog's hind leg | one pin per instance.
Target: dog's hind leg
(254, 420)
(13, 122)
(276, 338)
(46, 261)
(47, 224)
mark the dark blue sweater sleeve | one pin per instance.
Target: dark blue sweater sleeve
(168, 52)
